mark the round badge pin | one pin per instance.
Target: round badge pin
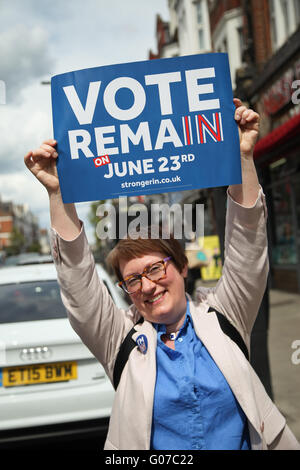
(142, 343)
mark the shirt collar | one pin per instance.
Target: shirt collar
(161, 328)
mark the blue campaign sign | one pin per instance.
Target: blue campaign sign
(145, 127)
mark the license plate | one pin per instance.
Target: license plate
(39, 373)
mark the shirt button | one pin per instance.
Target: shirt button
(180, 340)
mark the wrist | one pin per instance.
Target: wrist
(54, 193)
(246, 155)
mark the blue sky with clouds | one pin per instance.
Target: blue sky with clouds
(42, 38)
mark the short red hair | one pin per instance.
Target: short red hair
(129, 248)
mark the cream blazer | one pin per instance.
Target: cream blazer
(102, 327)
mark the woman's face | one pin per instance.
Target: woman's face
(162, 301)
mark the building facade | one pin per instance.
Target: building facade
(6, 227)
(272, 87)
(187, 32)
(226, 22)
(17, 218)
(262, 39)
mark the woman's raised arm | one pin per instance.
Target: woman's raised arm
(42, 164)
(248, 122)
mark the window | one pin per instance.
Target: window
(182, 19)
(199, 13)
(284, 196)
(297, 10)
(273, 23)
(201, 38)
(284, 247)
(224, 45)
(241, 41)
(284, 18)
(285, 14)
(30, 301)
(200, 24)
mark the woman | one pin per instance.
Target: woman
(189, 386)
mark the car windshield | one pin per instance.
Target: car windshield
(29, 301)
(26, 258)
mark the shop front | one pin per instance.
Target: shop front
(277, 157)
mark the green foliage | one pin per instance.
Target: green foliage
(17, 244)
(35, 247)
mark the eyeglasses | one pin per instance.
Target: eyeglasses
(154, 272)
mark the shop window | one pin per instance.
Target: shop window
(297, 205)
(286, 210)
(284, 250)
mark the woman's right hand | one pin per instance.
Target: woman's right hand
(42, 164)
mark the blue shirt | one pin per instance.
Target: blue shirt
(194, 407)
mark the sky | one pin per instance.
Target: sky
(42, 38)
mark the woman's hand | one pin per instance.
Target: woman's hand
(42, 163)
(248, 122)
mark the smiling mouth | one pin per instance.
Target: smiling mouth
(156, 298)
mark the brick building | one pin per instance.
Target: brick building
(167, 43)
(19, 217)
(6, 227)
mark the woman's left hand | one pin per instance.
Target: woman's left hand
(248, 122)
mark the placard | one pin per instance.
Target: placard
(145, 127)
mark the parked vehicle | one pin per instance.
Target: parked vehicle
(50, 383)
(26, 258)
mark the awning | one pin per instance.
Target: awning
(277, 137)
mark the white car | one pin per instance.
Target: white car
(50, 383)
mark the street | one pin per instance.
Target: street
(78, 440)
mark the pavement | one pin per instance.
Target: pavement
(284, 330)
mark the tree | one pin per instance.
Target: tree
(17, 242)
(34, 247)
